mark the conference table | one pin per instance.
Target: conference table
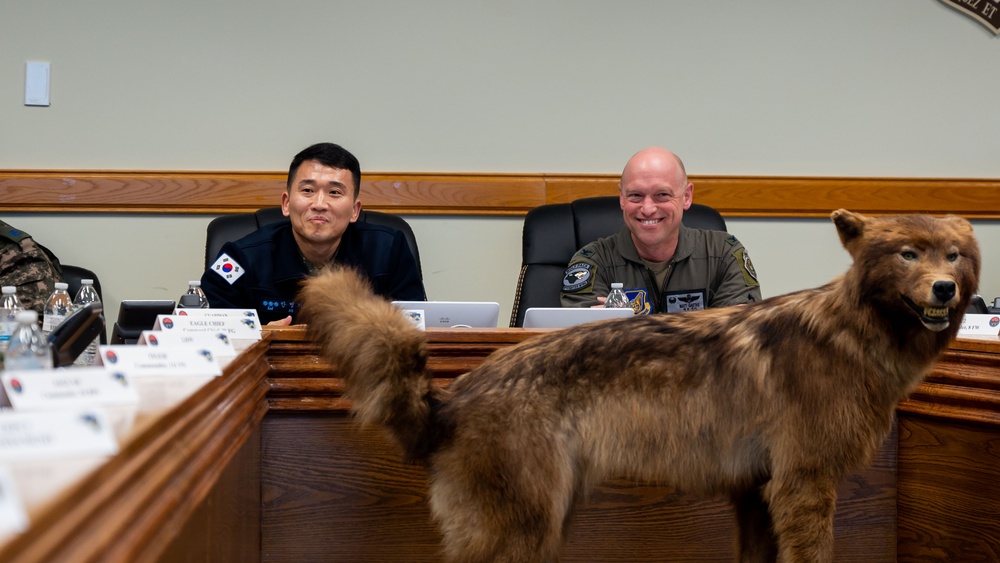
(264, 463)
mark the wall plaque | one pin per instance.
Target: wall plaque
(986, 12)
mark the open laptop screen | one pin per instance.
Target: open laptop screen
(562, 317)
(456, 314)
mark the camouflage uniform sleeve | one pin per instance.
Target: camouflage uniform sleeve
(27, 266)
(739, 283)
(581, 285)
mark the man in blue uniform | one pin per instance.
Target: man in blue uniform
(263, 270)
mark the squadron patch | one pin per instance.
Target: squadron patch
(578, 277)
(746, 266)
(229, 269)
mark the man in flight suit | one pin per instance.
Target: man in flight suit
(664, 266)
(263, 270)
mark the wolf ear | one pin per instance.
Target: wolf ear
(850, 226)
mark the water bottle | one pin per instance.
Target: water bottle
(194, 298)
(85, 295)
(29, 349)
(617, 298)
(58, 307)
(10, 306)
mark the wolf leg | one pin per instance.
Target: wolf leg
(802, 505)
(756, 542)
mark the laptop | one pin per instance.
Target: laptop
(456, 314)
(562, 317)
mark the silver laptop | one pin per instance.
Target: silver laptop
(456, 314)
(562, 317)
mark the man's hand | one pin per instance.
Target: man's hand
(601, 300)
(281, 322)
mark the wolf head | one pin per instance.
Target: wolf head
(915, 265)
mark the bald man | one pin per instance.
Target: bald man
(665, 267)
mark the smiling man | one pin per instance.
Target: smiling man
(263, 270)
(665, 267)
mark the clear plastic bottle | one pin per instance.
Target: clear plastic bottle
(617, 298)
(194, 297)
(58, 307)
(85, 295)
(29, 349)
(10, 306)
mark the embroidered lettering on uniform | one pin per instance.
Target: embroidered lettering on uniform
(683, 301)
(229, 269)
(579, 276)
(749, 272)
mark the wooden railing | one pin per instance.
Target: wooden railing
(407, 193)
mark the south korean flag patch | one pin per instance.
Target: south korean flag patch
(229, 269)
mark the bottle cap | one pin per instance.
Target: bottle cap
(196, 283)
(62, 285)
(616, 285)
(9, 289)
(86, 281)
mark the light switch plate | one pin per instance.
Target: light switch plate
(36, 83)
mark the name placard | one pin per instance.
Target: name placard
(243, 331)
(26, 436)
(138, 361)
(217, 313)
(218, 342)
(13, 517)
(974, 324)
(74, 387)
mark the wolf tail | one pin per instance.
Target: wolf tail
(380, 355)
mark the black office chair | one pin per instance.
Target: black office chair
(72, 276)
(554, 232)
(228, 228)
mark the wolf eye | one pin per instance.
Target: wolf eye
(952, 256)
(908, 255)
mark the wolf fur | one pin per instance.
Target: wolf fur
(769, 404)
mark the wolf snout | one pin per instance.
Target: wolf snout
(944, 291)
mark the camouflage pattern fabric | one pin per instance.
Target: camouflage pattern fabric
(28, 266)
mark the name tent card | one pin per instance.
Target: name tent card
(974, 324)
(54, 434)
(217, 313)
(218, 342)
(136, 361)
(13, 517)
(74, 387)
(242, 330)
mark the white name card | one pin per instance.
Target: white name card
(217, 342)
(979, 325)
(243, 331)
(13, 517)
(217, 313)
(136, 361)
(26, 436)
(74, 387)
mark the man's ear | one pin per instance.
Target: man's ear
(284, 203)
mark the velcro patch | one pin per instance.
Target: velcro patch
(683, 301)
(579, 277)
(229, 269)
(746, 266)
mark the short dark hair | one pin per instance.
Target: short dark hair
(328, 154)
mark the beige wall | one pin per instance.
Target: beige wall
(892, 88)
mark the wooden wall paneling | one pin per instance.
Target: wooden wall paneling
(484, 194)
(949, 466)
